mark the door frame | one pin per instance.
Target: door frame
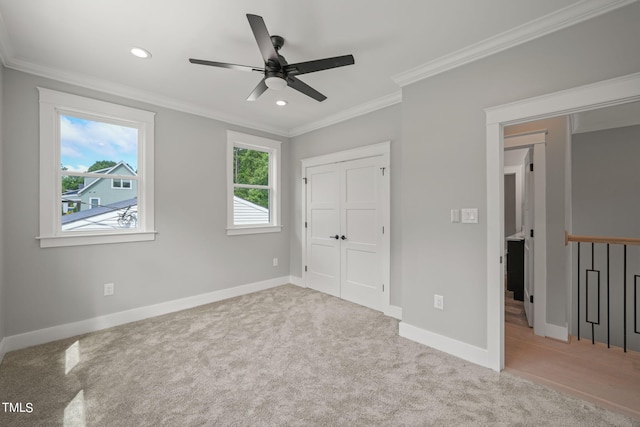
(536, 142)
(606, 93)
(374, 150)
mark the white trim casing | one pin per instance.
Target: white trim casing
(52, 104)
(615, 91)
(272, 146)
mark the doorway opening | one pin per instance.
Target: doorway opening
(616, 91)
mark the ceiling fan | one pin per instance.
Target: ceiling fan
(278, 74)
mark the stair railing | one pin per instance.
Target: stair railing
(625, 241)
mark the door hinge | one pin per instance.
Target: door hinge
(383, 229)
(383, 287)
(383, 169)
(531, 167)
(304, 179)
(531, 233)
(305, 268)
(305, 224)
(500, 260)
(531, 299)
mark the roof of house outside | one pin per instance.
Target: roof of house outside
(99, 210)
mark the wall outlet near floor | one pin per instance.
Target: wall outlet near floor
(109, 289)
(275, 262)
(438, 302)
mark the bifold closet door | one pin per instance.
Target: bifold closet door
(344, 234)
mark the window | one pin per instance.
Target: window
(253, 184)
(120, 183)
(96, 171)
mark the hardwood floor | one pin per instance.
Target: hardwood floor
(606, 377)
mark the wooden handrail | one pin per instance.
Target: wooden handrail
(600, 239)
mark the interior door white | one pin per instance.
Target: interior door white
(528, 221)
(323, 228)
(344, 214)
(361, 231)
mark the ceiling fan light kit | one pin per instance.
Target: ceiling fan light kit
(275, 83)
(279, 74)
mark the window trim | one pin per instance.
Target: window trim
(53, 104)
(252, 142)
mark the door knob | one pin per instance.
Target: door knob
(343, 237)
(334, 237)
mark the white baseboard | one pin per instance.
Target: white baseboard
(471, 353)
(298, 281)
(394, 311)
(41, 336)
(557, 332)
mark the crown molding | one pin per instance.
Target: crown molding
(555, 21)
(137, 95)
(350, 113)
(571, 15)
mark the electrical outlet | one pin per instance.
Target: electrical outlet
(109, 289)
(275, 262)
(438, 302)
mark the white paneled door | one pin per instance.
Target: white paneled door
(345, 230)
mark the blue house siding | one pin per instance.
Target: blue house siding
(103, 190)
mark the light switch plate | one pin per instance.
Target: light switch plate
(470, 216)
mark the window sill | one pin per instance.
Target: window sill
(254, 230)
(95, 239)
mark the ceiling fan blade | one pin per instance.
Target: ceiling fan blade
(318, 65)
(225, 65)
(263, 38)
(259, 90)
(300, 86)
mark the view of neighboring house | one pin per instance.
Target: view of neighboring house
(96, 192)
(246, 212)
(103, 203)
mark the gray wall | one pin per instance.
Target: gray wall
(378, 126)
(605, 180)
(443, 157)
(191, 255)
(2, 282)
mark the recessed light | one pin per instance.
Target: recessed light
(281, 102)
(140, 52)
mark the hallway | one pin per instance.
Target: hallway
(606, 377)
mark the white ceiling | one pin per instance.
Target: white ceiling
(394, 43)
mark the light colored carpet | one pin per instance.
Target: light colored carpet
(284, 356)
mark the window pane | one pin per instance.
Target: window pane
(251, 206)
(93, 204)
(250, 166)
(92, 146)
